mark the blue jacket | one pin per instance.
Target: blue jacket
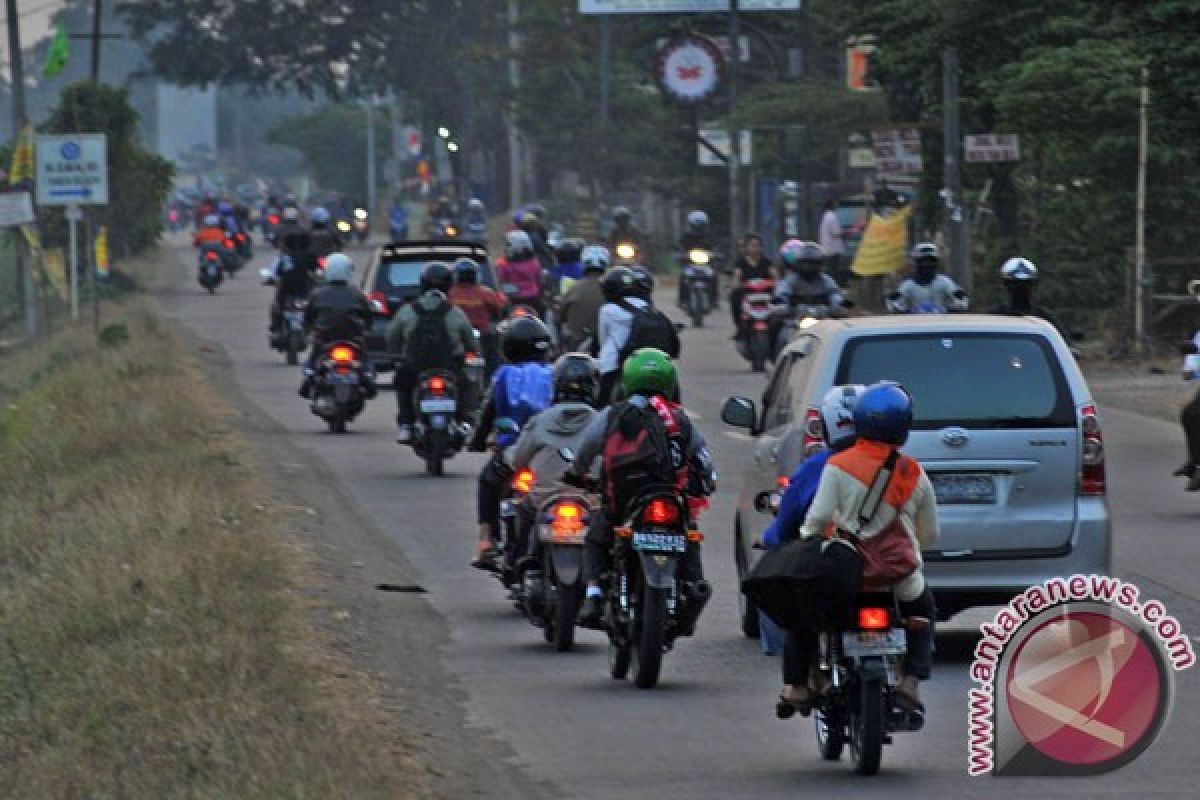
(520, 391)
(793, 507)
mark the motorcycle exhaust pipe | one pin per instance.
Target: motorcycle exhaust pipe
(695, 598)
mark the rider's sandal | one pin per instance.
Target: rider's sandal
(486, 560)
(786, 707)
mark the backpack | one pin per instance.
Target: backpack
(650, 328)
(520, 391)
(643, 446)
(429, 346)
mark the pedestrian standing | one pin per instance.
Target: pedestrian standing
(832, 241)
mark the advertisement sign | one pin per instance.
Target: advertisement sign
(991, 148)
(16, 208)
(72, 169)
(689, 68)
(897, 150)
(681, 6)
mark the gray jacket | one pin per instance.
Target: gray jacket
(560, 425)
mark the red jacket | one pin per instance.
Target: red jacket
(481, 304)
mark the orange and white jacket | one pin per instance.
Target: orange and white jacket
(844, 483)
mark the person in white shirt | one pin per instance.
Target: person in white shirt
(831, 238)
(613, 326)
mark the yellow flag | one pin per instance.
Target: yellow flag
(22, 159)
(102, 252)
(883, 245)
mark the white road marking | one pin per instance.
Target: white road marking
(741, 437)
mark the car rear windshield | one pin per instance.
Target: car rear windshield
(967, 379)
(405, 273)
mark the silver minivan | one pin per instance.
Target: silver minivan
(1004, 425)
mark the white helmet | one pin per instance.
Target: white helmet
(291, 214)
(837, 412)
(517, 244)
(595, 258)
(475, 204)
(211, 220)
(1019, 269)
(697, 219)
(338, 268)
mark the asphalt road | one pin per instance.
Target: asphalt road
(708, 731)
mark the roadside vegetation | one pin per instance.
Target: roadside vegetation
(152, 641)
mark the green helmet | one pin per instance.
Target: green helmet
(649, 371)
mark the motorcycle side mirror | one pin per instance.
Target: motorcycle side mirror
(739, 412)
(566, 454)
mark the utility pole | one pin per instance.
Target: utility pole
(952, 179)
(514, 84)
(1139, 248)
(370, 155)
(24, 268)
(97, 21)
(734, 137)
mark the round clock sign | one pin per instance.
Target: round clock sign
(689, 68)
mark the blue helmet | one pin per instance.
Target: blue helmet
(320, 216)
(884, 413)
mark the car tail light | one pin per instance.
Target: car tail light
(523, 480)
(661, 511)
(814, 432)
(436, 384)
(342, 354)
(378, 301)
(873, 619)
(1092, 479)
(567, 518)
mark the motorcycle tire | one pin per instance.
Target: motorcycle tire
(565, 610)
(649, 637)
(747, 610)
(759, 351)
(831, 734)
(293, 348)
(435, 453)
(619, 658)
(336, 425)
(866, 728)
(698, 309)
(211, 289)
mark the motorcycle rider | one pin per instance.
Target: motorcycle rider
(337, 312)
(882, 419)
(625, 231)
(650, 381)
(751, 265)
(522, 270)
(805, 281)
(483, 306)
(295, 271)
(614, 323)
(428, 333)
(696, 236)
(568, 265)
(210, 232)
(325, 240)
(520, 389)
(1020, 276)
(929, 290)
(580, 307)
(1190, 416)
(533, 222)
(475, 220)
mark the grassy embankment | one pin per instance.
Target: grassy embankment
(152, 643)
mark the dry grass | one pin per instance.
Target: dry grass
(151, 642)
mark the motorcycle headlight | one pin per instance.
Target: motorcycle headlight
(360, 213)
(699, 257)
(626, 251)
(343, 226)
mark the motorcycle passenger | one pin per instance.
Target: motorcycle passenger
(289, 225)
(929, 290)
(580, 307)
(751, 265)
(229, 219)
(520, 389)
(428, 333)
(882, 419)
(337, 312)
(613, 326)
(483, 306)
(522, 271)
(650, 381)
(325, 240)
(805, 281)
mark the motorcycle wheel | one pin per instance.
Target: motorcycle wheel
(866, 728)
(336, 425)
(211, 289)
(648, 640)
(759, 350)
(698, 301)
(435, 453)
(569, 600)
(831, 734)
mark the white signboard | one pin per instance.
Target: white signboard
(681, 6)
(72, 169)
(897, 151)
(719, 139)
(412, 141)
(990, 148)
(16, 208)
(689, 69)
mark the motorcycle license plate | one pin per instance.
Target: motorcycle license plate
(295, 318)
(210, 270)
(963, 489)
(874, 643)
(436, 404)
(659, 541)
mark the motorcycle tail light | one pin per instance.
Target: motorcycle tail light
(342, 354)
(241, 237)
(661, 511)
(873, 619)
(173, 216)
(436, 384)
(273, 219)
(523, 480)
(568, 518)
(782, 482)
(229, 242)
(379, 303)
(814, 436)
(321, 262)
(211, 256)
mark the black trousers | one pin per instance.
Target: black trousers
(735, 306)
(492, 480)
(1191, 428)
(800, 647)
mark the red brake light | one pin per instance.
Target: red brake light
(229, 242)
(782, 482)
(661, 511)
(241, 237)
(1092, 477)
(437, 384)
(378, 301)
(568, 518)
(211, 256)
(814, 431)
(523, 480)
(321, 262)
(873, 619)
(273, 219)
(173, 215)
(342, 353)
(520, 311)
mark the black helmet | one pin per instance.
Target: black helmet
(525, 339)
(576, 377)
(569, 251)
(466, 270)
(437, 275)
(617, 283)
(643, 282)
(621, 214)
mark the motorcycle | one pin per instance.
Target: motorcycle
(860, 662)
(210, 271)
(231, 261)
(445, 228)
(362, 224)
(796, 314)
(271, 221)
(435, 436)
(698, 279)
(290, 337)
(340, 388)
(754, 337)
(897, 303)
(244, 246)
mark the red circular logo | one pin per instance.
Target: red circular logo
(1086, 689)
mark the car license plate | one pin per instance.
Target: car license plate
(435, 404)
(964, 489)
(874, 643)
(659, 542)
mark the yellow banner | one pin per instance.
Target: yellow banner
(22, 158)
(102, 252)
(883, 245)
